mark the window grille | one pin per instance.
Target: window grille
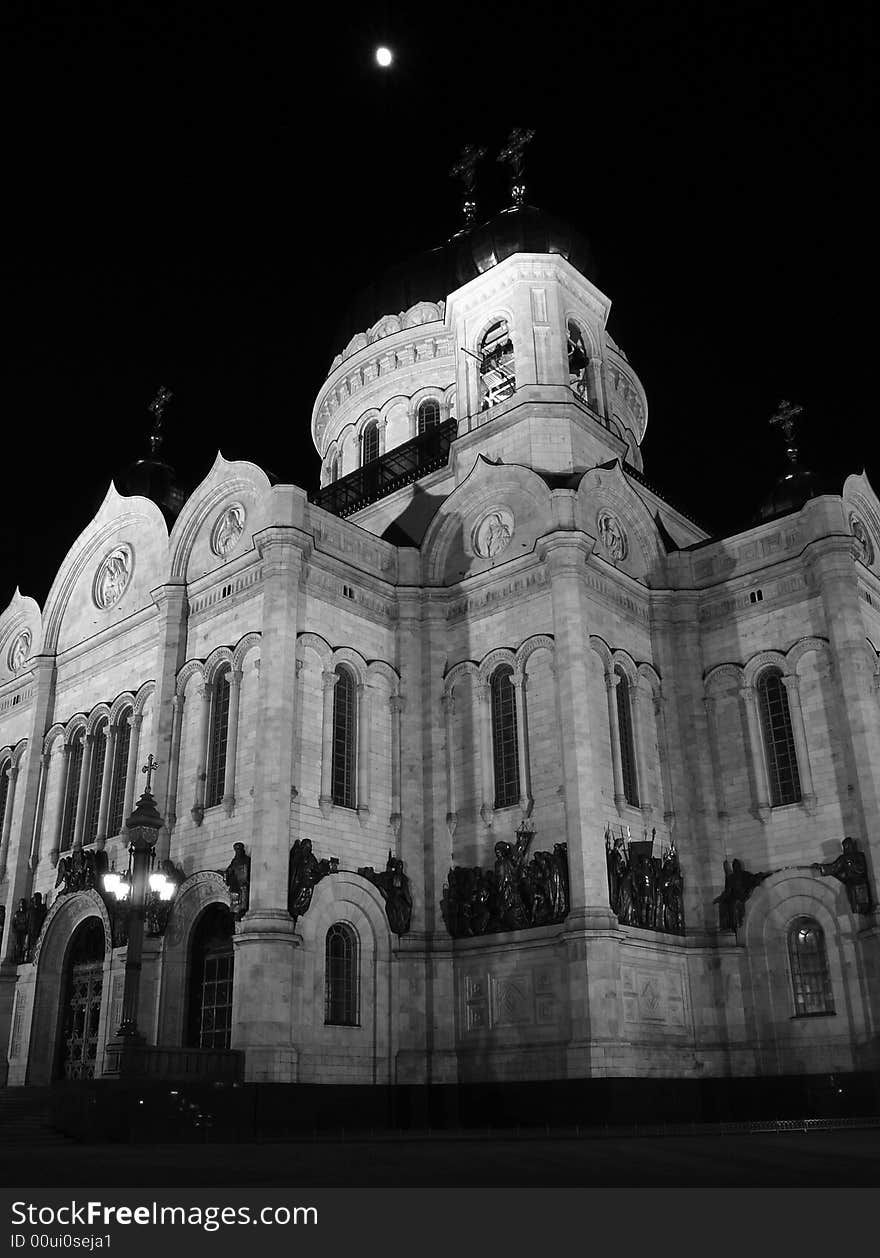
(344, 732)
(370, 443)
(785, 784)
(627, 744)
(96, 783)
(341, 976)
(217, 740)
(811, 981)
(497, 368)
(71, 795)
(428, 415)
(505, 751)
(215, 1029)
(119, 775)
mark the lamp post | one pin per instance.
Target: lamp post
(143, 828)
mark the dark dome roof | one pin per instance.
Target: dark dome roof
(151, 478)
(791, 491)
(433, 275)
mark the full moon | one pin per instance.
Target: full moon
(383, 56)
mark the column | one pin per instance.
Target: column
(749, 697)
(641, 732)
(663, 751)
(171, 780)
(611, 683)
(711, 705)
(484, 700)
(6, 820)
(36, 835)
(63, 754)
(325, 800)
(111, 733)
(396, 705)
(792, 686)
(201, 775)
(364, 731)
(136, 720)
(173, 607)
(448, 705)
(84, 784)
(232, 741)
(521, 685)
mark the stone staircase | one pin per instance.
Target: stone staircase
(24, 1117)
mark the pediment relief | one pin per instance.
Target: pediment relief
(217, 524)
(626, 535)
(21, 633)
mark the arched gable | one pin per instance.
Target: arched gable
(605, 492)
(219, 519)
(21, 635)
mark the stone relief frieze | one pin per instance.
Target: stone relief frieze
(509, 999)
(497, 594)
(493, 532)
(19, 650)
(338, 540)
(721, 565)
(653, 997)
(228, 529)
(612, 535)
(112, 577)
(742, 602)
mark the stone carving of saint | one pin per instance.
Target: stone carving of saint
(19, 650)
(493, 534)
(394, 887)
(228, 529)
(113, 577)
(860, 533)
(850, 868)
(304, 872)
(238, 880)
(612, 535)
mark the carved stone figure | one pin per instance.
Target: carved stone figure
(394, 887)
(19, 650)
(644, 890)
(738, 886)
(512, 896)
(82, 870)
(238, 880)
(671, 916)
(850, 868)
(305, 871)
(228, 529)
(611, 534)
(112, 577)
(37, 911)
(493, 533)
(860, 533)
(19, 928)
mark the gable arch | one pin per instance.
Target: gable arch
(98, 713)
(51, 736)
(142, 697)
(244, 645)
(227, 482)
(760, 663)
(320, 646)
(75, 723)
(190, 669)
(624, 661)
(795, 654)
(721, 676)
(490, 662)
(603, 650)
(465, 668)
(355, 661)
(537, 642)
(219, 658)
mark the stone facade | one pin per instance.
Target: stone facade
(540, 548)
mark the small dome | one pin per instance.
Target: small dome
(795, 487)
(433, 275)
(151, 478)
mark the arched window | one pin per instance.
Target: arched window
(119, 775)
(497, 365)
(341, 976)
(627, 744)
(505, 750)
(71, 793)
(344, 739)
(218, 737)
(370, 443)
(333, 469)
(577, 361)
(810, 979)
(211, 968)
(5, 766)
(782, 770)
(428, 415)
(96, 783)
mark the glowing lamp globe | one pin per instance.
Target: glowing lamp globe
(384, 57)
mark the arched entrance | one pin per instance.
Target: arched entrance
(82, 989)
(209, 1020)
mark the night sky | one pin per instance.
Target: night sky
(192, 194)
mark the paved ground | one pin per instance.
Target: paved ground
(788, 1159)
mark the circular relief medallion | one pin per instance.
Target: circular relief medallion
(863, 540)
(19, 651)
(611, 534)
(493, 533)
(228, 529)
(112, 577)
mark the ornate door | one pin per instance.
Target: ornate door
(81, 1021)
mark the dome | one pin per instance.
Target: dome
(151, 478)
(791, 491)
(433, 275)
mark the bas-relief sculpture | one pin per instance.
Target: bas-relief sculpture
(863, 540)
(228, 529)
(493, 533)
(738, 886)
(612, 535)
(238, 879)
(644, 890)
(514, 895)
(19, 651)
(850, 868)
(27, 922)
(82, 870)
(112, 577)
(394, 888)
(304, 872)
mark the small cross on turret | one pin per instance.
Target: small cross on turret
(465, 169)
(513, 154)
(150, 768)
(157, 410)
(784, 418)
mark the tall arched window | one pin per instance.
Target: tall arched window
(428, 415)
(218, 737)
(5, 766)
(96, 783)
(71, 793)
(497, 365)
(505, 749)
(333, 469)
(810, 979)
(370, 443)
(119, 775)
(782, 770)
(344, 739)
(341, 976)
(577, 361)
(627, 742)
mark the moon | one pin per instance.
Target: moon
(384, 57)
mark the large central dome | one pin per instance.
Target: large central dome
(433, 275)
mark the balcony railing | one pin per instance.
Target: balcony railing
(400, 466)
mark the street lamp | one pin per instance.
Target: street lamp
(143, 828)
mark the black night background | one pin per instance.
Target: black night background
(193, 194)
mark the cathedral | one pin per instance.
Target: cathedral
(482, 764)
